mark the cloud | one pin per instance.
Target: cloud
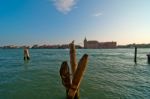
(97, 14)
(64, 6)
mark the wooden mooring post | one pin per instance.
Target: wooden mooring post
(148, 58)
(73, 63)
(26, 54)
(65, 76)
(135, 55)
(71, 81)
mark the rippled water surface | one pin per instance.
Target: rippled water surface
(110, 74)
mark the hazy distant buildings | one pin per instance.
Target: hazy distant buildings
(95, 44)
(14, 47)
(10, 46)
(64, 46)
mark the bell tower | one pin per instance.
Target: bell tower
(85, 43)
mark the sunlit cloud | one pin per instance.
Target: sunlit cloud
(64, 6)
(97, 14)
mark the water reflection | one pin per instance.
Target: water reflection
(135, 64)
(26, 62)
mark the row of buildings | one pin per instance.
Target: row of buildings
(64, 46)
(93, 44)
(14, 47)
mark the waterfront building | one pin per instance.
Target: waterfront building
(93, 44)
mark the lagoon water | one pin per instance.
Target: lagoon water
(110, 74)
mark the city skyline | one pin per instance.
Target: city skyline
(29, 22)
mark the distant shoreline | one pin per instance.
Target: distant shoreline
(83, 48)
(66, 46)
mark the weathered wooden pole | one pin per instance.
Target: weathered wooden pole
(73, 57)
(65, 76)
(135, 54)
(72, 83)
(73, 63)
(148, 58)
(26, 54)
(78, 76)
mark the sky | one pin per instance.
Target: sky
(29, 22)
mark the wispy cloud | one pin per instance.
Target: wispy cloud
(64, 6)
(97, 14)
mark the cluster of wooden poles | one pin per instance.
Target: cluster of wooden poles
(71, 79)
